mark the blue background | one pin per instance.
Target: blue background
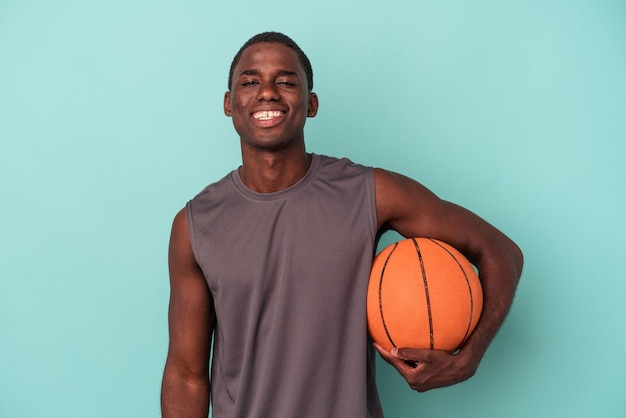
(111, 118)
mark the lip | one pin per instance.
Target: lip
(267, 118)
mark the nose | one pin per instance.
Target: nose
(268, 92)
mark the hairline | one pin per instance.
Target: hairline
(274, 38)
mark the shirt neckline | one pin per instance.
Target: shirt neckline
(281, 194)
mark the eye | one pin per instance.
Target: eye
(286, 83)
(247, 83)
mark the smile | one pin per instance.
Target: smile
(267, 115)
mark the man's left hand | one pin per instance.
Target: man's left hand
(428, 369)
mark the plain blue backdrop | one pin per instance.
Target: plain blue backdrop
(111, 119)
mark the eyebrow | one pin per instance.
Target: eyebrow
(279, 72)
(286, 72)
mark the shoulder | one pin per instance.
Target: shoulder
(180, 243)
(402, 201)
(216, 186)
(211, 197)
(396, 191)
(342, 163)
(337, 169)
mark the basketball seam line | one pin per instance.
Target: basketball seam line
(428, 306)
(380, 295)
(469, 289)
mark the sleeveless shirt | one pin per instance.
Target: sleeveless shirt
(288, 273)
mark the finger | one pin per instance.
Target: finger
(385, 354)
(420, 354)
(405, 367)
(379, 348)
(407, 357)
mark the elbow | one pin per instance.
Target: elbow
(516, 257)
(506, 259)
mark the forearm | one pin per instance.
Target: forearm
(499, 273)
(183, 397)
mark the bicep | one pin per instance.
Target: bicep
(412, 210)
(191, 316)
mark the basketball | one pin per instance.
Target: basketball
(422, 293)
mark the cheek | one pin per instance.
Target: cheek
(236, 104)
(238, 109)
(239, 118)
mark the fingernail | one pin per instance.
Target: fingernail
(394, 351)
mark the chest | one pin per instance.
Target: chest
(309, 249)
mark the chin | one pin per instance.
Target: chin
(272, 143)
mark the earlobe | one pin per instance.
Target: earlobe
(313, 105)
(227, 108)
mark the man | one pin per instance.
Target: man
(273, 262)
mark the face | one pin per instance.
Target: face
(269, 99)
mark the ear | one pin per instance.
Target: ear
(227, 108)
(313, 105)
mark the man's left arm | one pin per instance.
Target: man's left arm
(413, 211)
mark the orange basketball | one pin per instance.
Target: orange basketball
(422, 293)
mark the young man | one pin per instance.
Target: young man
(273, 262)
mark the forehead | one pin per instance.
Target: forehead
(268, 56)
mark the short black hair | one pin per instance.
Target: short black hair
(277, 38)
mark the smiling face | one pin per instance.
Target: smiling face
(269, 99)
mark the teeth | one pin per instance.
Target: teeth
(267, 115)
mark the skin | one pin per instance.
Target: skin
(409, 208)
(185, 390)
(269, 78)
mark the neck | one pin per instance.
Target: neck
(269, 171)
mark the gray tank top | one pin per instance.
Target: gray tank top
(288, 272)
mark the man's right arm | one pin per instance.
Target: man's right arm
(185, 390)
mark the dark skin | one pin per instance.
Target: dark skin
(269, 78)
(269, 103)
(409, 208)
